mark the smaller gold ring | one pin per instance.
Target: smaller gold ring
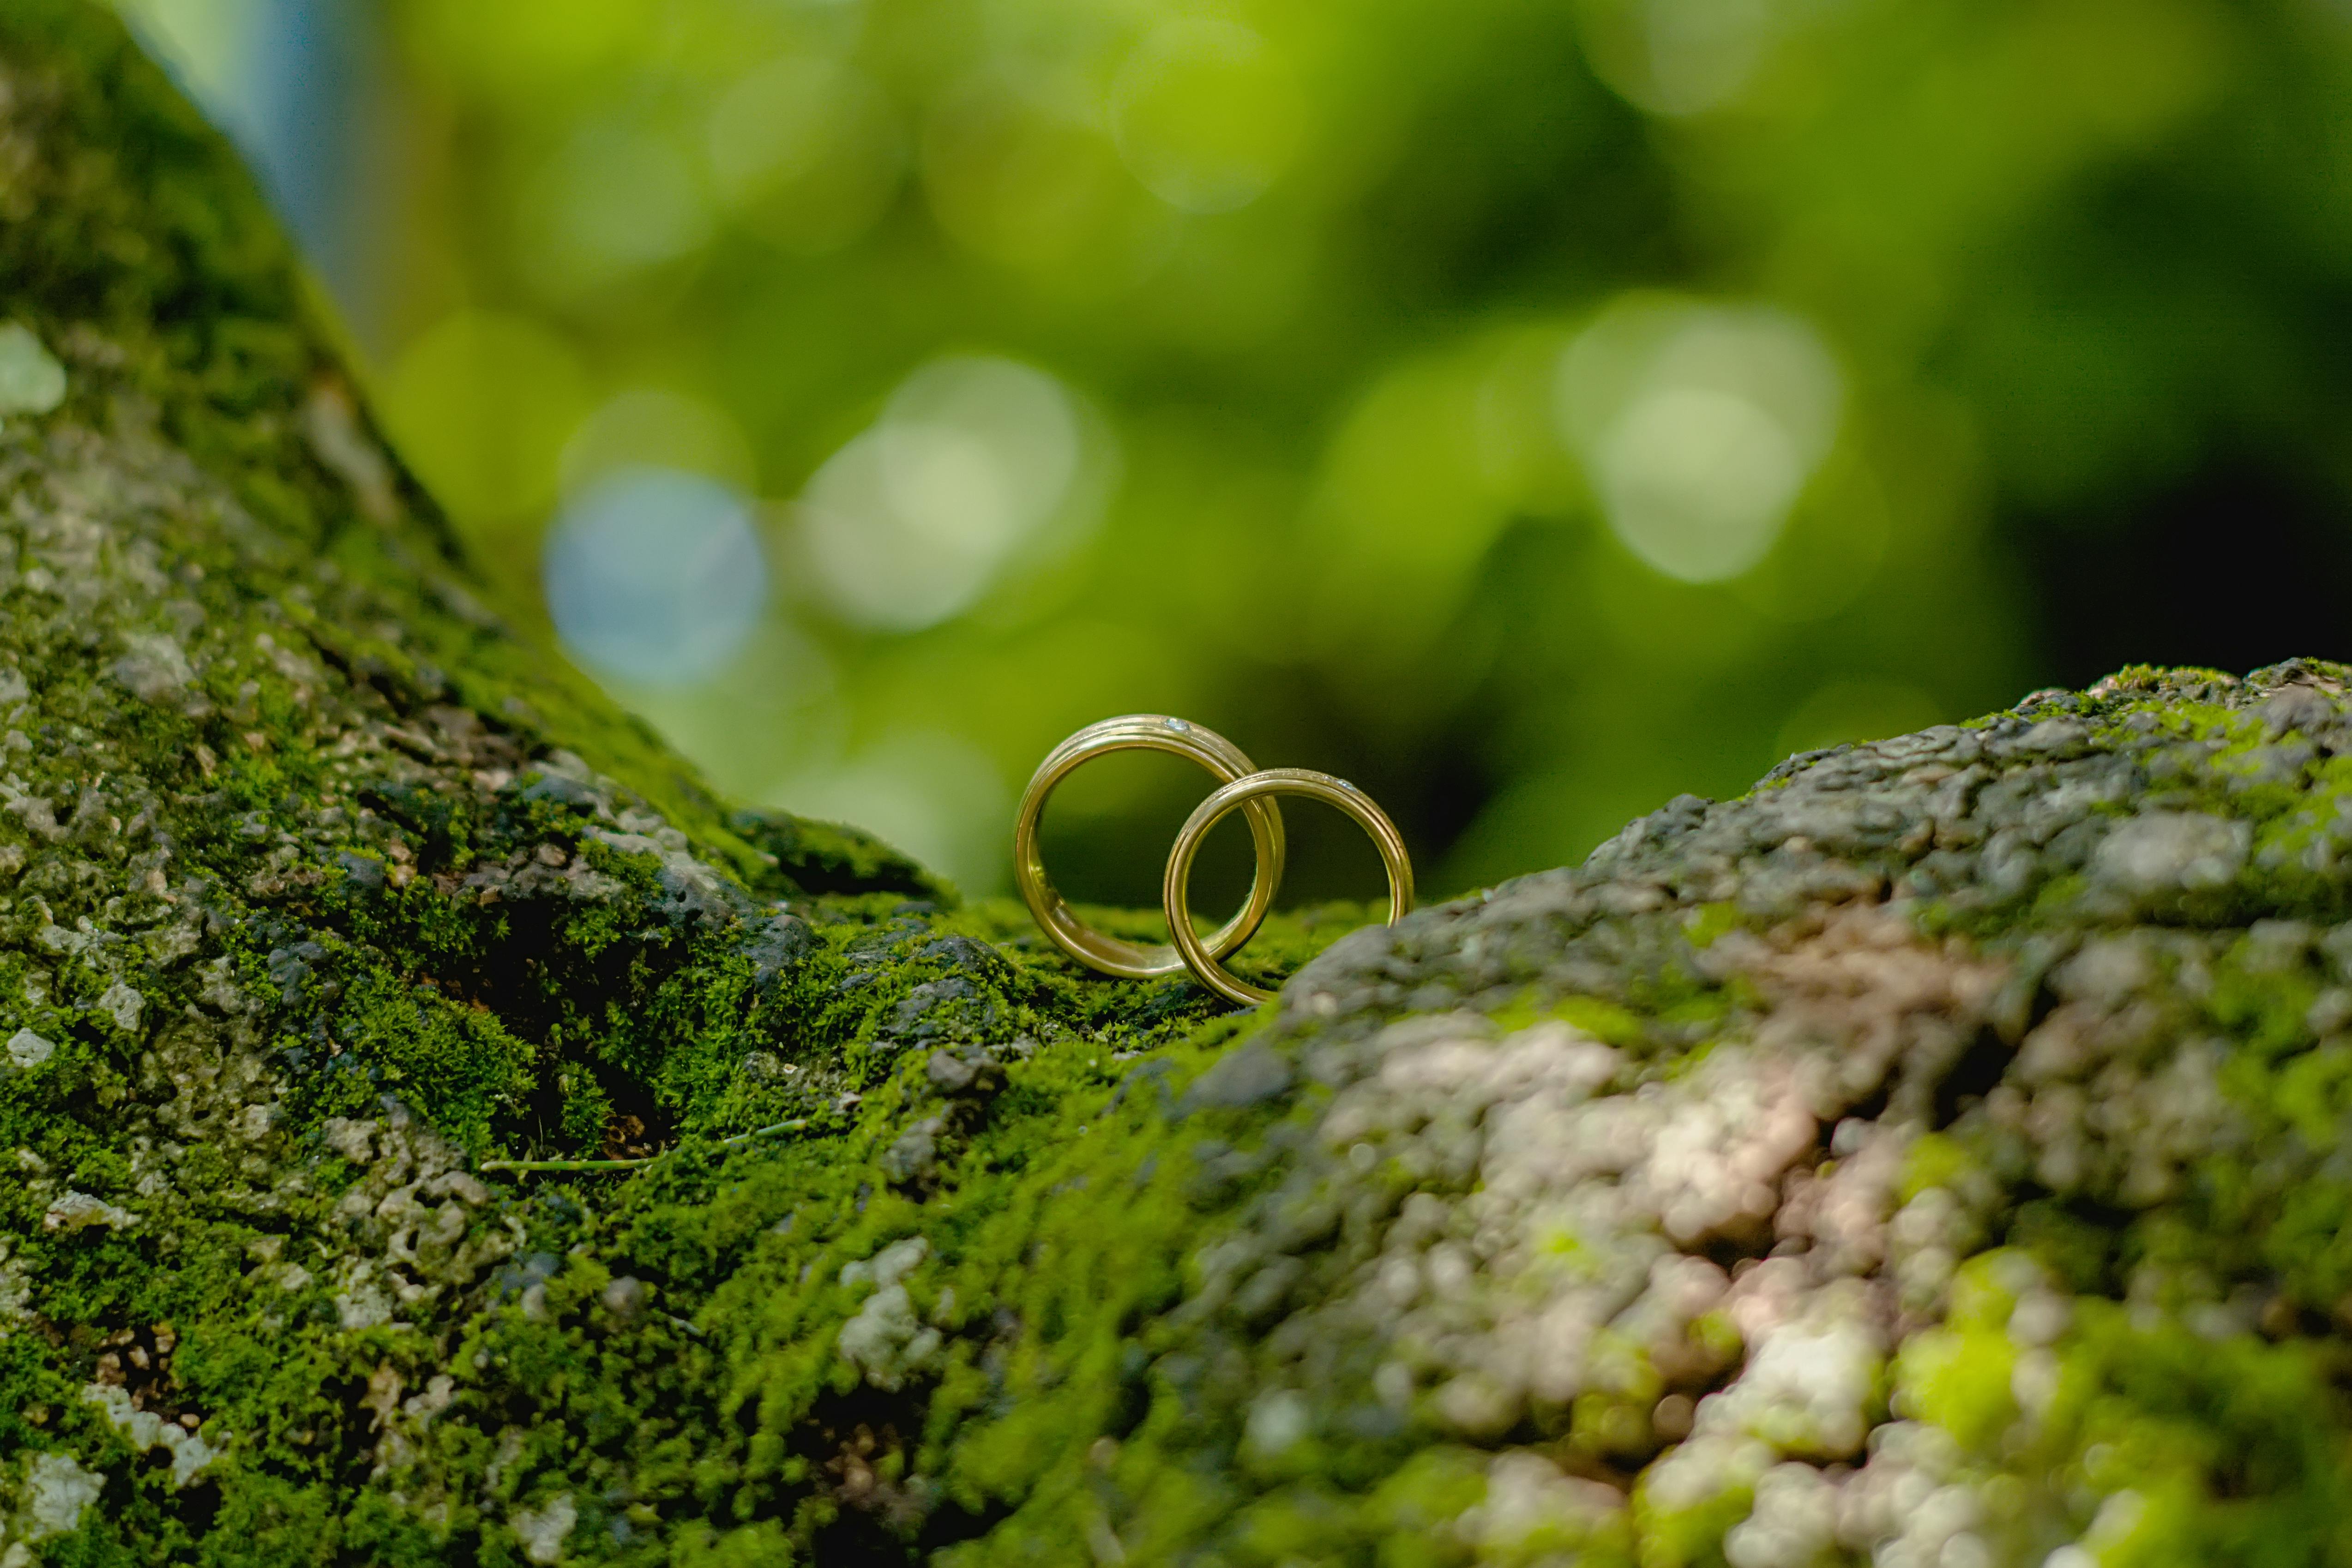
(1140, 732)
(1175, 895)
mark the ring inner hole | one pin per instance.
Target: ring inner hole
(1108, 827)
(1339, 849)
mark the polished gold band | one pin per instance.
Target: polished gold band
(1142, 732)
(1249, 793)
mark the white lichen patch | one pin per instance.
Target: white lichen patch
(887, 1340)
(889, 1266)
(1533, 1512)
(80, 1211)
(55, 1493)
(542, 1530)
(146, 1430)
(28, 1049)
(154, 666)
(1811, 1387)
(362, 1302)
(2172, 851)
(123, 1005)
(1792, 1523)
(1911, 1506)
(353, 1139)
(16, 1288)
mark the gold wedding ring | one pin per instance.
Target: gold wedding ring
(1247, 794)
(1241, 787)
(1142, 732)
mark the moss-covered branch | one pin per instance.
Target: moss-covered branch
(437, 1130)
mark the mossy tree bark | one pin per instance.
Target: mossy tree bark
(1937, 1156)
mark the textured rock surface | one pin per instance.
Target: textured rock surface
(1937, 1157)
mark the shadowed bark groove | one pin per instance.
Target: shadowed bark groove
(1936, 1156)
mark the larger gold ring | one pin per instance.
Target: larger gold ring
(1142, 732)
(1256, 790)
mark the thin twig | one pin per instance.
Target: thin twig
(797, 1124)
(525, 1167)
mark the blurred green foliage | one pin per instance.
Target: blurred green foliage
(1529, 411)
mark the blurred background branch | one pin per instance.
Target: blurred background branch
(1530, 411)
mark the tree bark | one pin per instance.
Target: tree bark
(1936, 1156)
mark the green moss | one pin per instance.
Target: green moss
(1711, 923)
(1934, 1161)
(2218, 1442)
(1687, 1534)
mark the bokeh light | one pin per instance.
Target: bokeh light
(1026, 180)
(911, 520)
(1700, 425)
(1679, 57)
(807, 153)
(660, 427)
(1205, 114)
(615, 198)
(655, 575)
